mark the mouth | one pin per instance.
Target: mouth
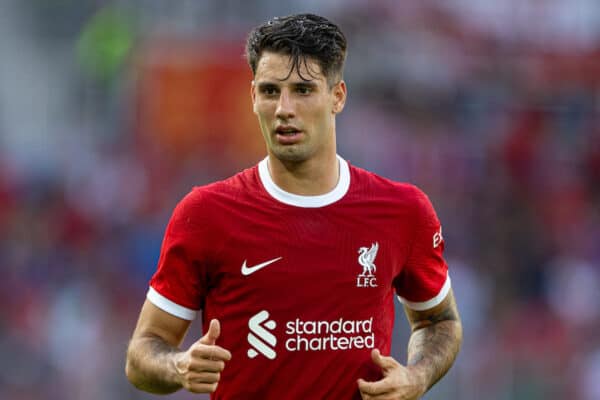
(288, 134)
(287, 130)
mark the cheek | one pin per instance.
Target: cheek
(323, 108)
(262, 111)
(264, 108)
(265, 117)
(321, 115)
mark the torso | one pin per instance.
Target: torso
(313, 289)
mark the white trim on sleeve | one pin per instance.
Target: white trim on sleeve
(426, 305)
(169, 306)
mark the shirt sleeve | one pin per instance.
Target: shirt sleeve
(424, 282)
(179, 283)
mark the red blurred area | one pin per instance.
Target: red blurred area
(193, 97)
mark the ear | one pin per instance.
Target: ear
(339, 97)
(253, 96)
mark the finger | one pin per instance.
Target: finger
(213, 353)
(361, 384)
(203, 365)
(211, 336)
(363, 387)
(202, 387)
(204, 377)
(377, 388)
(385, 363)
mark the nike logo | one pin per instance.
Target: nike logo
(250, 270)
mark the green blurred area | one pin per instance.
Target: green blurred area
(105, 43)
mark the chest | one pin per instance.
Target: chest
(310, 253)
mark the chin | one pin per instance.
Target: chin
(290, 154)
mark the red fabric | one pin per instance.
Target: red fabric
(216, 228)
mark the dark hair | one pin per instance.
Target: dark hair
(301, 36)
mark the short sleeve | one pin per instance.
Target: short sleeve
(423, 281)
(179, 283)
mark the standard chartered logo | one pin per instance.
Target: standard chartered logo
(340, 334)
(261, 339)
(306, 335)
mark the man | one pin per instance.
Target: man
(295, 262)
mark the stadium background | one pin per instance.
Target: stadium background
(111, 111)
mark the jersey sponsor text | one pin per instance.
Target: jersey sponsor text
(338, 334)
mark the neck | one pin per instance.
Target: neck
(306, 178)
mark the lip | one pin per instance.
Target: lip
(287, 139)
(283, 128)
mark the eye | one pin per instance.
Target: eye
(303, 89)
(269, 90)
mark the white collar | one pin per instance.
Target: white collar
(340, 189)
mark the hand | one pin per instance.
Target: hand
(398, 383)
(199, 368)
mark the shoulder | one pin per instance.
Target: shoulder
(204, 201)
(402, 191)
(218, 190)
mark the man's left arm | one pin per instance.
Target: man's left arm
(433, 346)
(435, 340)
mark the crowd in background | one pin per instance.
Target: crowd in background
(110, 113)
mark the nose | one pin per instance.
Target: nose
(285, 109)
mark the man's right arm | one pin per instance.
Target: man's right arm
(156, 364)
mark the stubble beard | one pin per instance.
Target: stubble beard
(291, 153)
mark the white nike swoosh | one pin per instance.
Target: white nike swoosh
(250, 270)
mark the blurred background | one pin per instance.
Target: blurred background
(111, 111)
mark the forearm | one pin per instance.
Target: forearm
(151, 365)
(433, 348)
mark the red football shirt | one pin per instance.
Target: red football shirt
(303, 285)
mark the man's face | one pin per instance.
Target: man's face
(296, 116)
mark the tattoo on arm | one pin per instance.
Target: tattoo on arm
(435, 340)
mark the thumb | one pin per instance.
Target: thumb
(211, 336)
(385, 363)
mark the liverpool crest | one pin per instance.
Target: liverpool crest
(366, 258)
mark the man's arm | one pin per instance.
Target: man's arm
(434, 343)
(156, 364)
(435, 340)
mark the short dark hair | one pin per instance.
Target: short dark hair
(301, 36)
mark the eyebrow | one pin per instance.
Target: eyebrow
(270, 84)
(311, 84)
